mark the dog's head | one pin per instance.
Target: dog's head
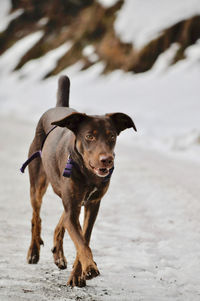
(96, 137)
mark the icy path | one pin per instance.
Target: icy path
(146, 240)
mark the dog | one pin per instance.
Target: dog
(76, 157)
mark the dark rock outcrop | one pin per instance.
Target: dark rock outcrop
(88, 23)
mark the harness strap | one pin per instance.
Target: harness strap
(69, 166)
(47, 135)
(31, 158)
(36, 154)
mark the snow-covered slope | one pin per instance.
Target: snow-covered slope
(164, 103)
(140, 21)
(4, 11)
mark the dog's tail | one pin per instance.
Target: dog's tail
(63, 91)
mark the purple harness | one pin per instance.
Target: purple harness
(31, 158)
(68, 167)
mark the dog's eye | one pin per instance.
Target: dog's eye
(112, 137)
(89, 137)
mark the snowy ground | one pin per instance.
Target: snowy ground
(146, 240)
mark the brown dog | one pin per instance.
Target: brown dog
(86, 144)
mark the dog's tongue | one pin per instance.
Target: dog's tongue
(101, 172)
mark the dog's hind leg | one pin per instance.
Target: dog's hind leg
(57, 250)
(38, 186)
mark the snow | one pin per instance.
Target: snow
(12, 56)
(4, 11)
(5, 22)
(165, 59)
(43, 21)
(146, 238)
(193, 54)
(89, 52)
(107, 3)
(5, 17)
(145, 20)
(163, 102)
(46, 63)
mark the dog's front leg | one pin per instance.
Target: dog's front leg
(72, 224)
(90, 215)
(91, 211)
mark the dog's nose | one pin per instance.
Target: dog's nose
(107, 160)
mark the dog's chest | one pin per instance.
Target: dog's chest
(92, 194)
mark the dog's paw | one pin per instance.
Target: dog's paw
(76, 280)
(41, 242)
(90, 272)
(33, 255)
(59, 258)
(61, 263)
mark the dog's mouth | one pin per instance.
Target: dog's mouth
(100, 172)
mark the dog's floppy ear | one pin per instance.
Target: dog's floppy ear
(71, 121)
(121, 121)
